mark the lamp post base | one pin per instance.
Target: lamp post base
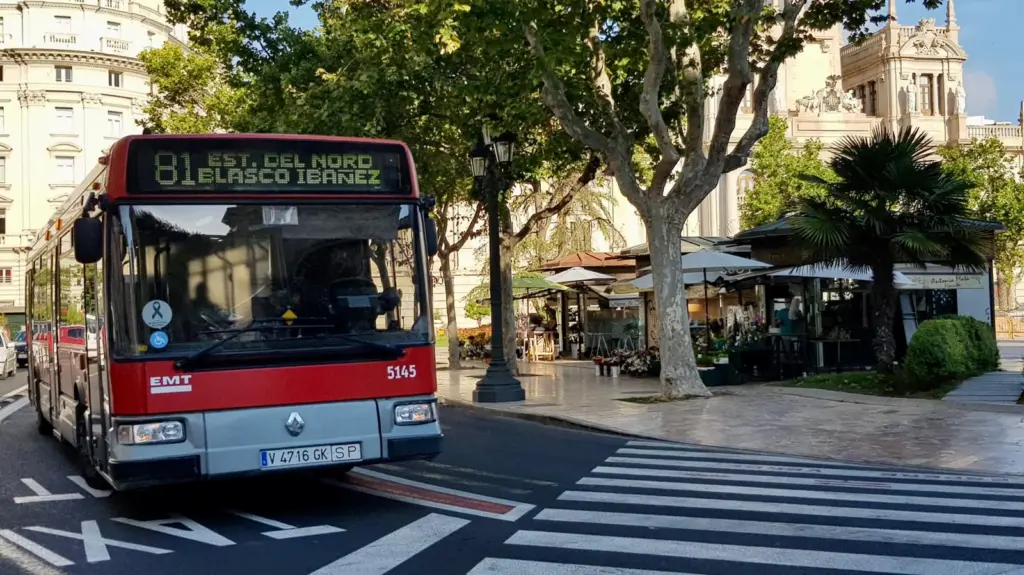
(498, 386)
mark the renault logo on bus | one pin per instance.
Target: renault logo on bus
(294, 425)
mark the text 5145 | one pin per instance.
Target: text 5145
(401, 371)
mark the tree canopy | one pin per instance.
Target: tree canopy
(777, 168)
(996, 194)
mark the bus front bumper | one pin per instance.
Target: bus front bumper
(266, 440)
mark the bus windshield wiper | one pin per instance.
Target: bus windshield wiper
(255, 326)
(263, 325)
(394, 350)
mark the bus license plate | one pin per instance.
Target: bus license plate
(312, 455)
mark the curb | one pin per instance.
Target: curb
(567, 422)
(544, 419)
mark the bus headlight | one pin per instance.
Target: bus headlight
(150, 433)
(415, 413)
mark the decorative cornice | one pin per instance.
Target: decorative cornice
(5, 149)
(90, 99)
(64, 147)
(25, 55)
(32, 97)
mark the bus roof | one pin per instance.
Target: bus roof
(110, 175)
(235, 166)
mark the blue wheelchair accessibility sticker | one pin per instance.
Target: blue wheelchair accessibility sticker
(158, 340)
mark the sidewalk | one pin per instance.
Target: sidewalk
(807, 422)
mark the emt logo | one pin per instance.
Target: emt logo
(170, 384)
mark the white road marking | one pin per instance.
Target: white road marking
(33, 548)
(18, 391)
(9, 410)
(193, 531)
(43, 495)
(899, 536)
(95, 544)
(819, 481)
(850, 562)
(819, 471)
(285, 531)
(725, 456)
(803, 494)
(396, 548)
(790, 508)
(80, 482)
(491, 566)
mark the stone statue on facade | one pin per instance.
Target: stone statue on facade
(911, 99)
(827, 99)
(961, 99)
(851, 103)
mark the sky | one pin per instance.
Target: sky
(994, 84)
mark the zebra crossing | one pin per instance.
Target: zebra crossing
(658, 509)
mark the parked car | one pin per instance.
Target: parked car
(19, 346)
(10, 365)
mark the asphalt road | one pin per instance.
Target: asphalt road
(514, 497)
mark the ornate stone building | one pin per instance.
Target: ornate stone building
(70, 85)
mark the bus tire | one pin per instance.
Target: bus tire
(85, 462)
(42, 426)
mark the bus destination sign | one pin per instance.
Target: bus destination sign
(265, 166)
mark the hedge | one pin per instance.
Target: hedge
(982, 345)
(949, 349)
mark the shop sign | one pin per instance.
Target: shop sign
(946, 281)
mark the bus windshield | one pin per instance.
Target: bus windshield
(319, 273)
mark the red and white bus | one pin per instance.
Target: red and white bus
(215, 305)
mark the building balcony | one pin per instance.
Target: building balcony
(115, 45)
(61, 40)
(1002, 132)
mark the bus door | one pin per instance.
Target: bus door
(43, 325)
(98, 377)
(70, 338)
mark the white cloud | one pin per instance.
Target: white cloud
(981, 93)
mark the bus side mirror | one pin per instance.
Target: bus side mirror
(88, 239)
(431, 233)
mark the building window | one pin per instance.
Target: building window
(747, 106)
(6, 275)
(924, 95)
(114, 124)
(115, 79)
(63, 73)
(65, 169)
(3, 171)
(62, 24)
(744, 184)
(3, 120)
(150, 34)
(3, 222)
(64, 120)
(113, 29)
(872, 105)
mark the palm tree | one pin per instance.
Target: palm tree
(891, 202)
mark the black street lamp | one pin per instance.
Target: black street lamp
(489, 162)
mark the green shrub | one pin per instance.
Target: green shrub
(982, 342)
(938, 354)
